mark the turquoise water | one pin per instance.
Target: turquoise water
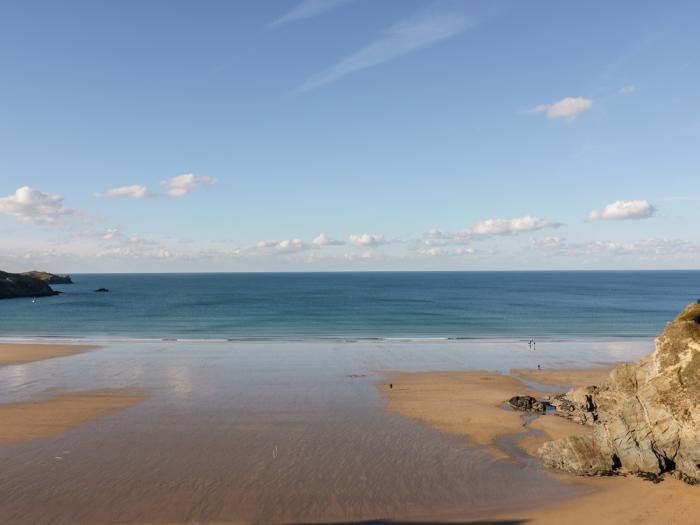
(357, 305)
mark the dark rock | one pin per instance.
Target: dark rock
(527, 404)
(14, 285)
(102, 290)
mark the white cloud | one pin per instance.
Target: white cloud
(367, 240)
(307, 9)
(568, 108)
(125, 192)
(273, 247)
(489, 228)
(422, 29)
(526, 223)
(110, 234)
(627, 90)
(33, 206)
(324, 240)
(183, 184)
(623, 210)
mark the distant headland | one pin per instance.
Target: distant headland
(50, 278)
(30, 284)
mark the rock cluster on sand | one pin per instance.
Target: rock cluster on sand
(646, 415)
(18, 285)
(526, 404)
(50, 278)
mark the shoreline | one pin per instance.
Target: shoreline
(92, 340)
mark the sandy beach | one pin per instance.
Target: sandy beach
(298, 433)
(30, 420)
(470, 404)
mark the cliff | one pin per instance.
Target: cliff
(17, 285)
(646, 415)
(49, 278)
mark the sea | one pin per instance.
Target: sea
(356, 305)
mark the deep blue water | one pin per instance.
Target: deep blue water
(358, 305)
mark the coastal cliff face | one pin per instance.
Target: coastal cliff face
(14, 285)
(646, 415)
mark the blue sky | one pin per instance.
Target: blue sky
(225, 136)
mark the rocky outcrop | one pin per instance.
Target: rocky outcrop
(577, 404)
(14, 285)
(646, 416)
(527, 404)
(49, 278)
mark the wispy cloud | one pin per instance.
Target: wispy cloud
(623, 210)
(420, 30)
(183, 184)
(646, 249)
(324, 240)
(125, 192)
(489, 228)
(105, 235)
(627, 90)
(567, 108)
(446, 252)
(178, 186)
(307, 9)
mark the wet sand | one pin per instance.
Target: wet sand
(18, 353)
(620, 501)
(280, 433)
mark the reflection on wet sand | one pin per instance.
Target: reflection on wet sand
(246, 432)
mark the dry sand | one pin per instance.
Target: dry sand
(431, 398)
(35, 419)
(471, 404)
(19, 353)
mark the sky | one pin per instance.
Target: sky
(321, 135)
